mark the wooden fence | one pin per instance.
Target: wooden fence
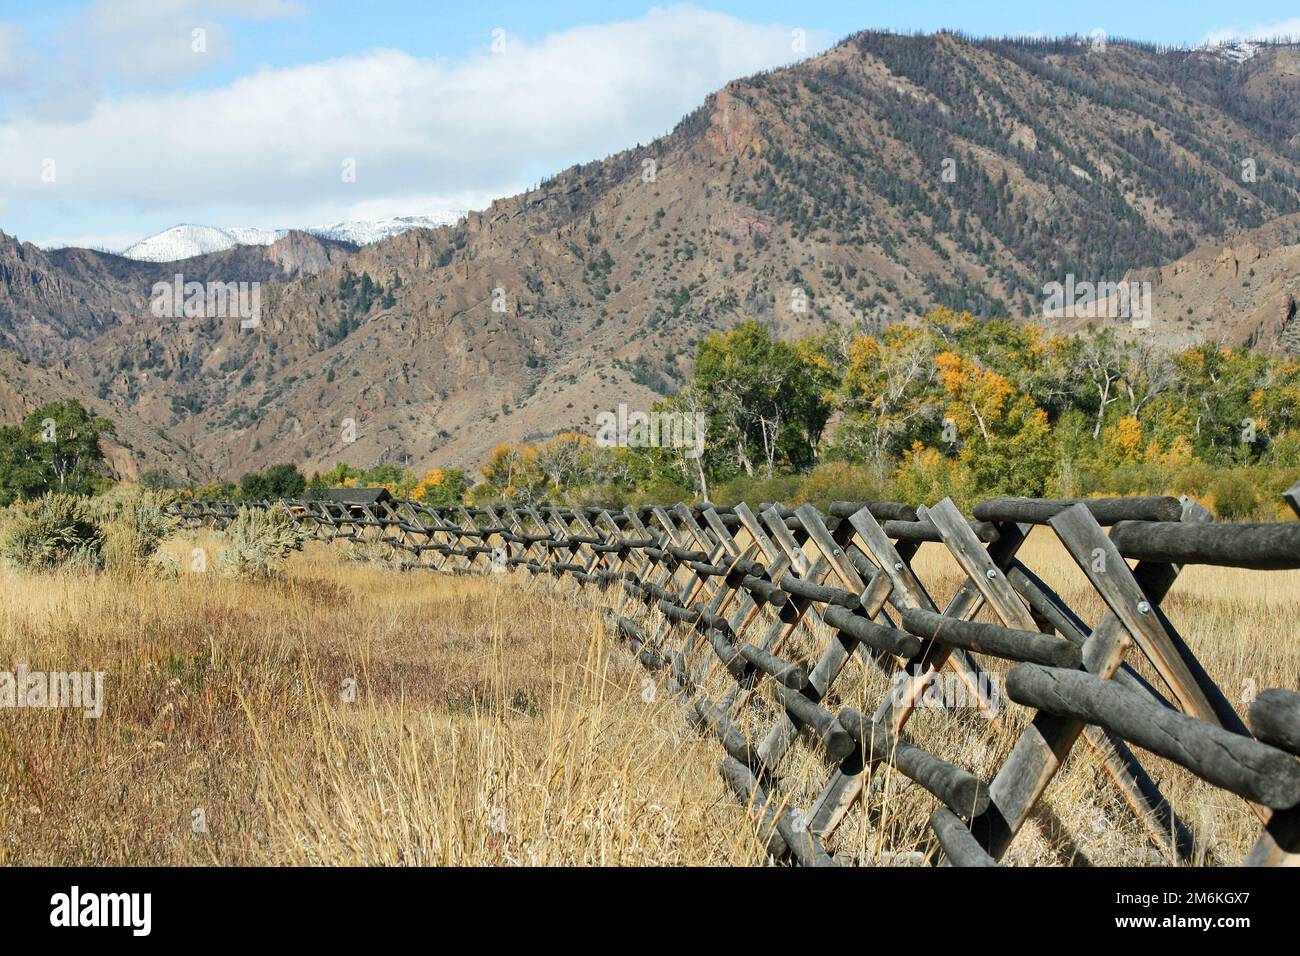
(725, 597)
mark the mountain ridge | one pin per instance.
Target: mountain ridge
(813, 194)
(188, 240)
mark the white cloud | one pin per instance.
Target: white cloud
(152, 41)
(1283, 28)
(11, 60)
(140, 44)
(109, 242)
(390, 207)
(415, 127)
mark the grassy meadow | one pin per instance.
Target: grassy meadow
(349, 713)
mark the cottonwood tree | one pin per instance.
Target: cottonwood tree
(1006, 448)
(888, 396)
(56, 449)
(1149, 371)
(1101, 358)
(278, 481)
(766, 400)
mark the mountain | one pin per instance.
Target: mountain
(365, 231)
(189, 241)
(136, 447)
(1241, 290)
(884, 178)
(56, 301)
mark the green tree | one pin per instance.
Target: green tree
(157, 479)
(766, 400)
(55, 450)
(278, 481)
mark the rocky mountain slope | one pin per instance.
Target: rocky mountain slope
(136, 448)
(1242, 290)
(886, 177)
(54, 302)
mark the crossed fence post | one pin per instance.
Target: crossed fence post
(725, 591)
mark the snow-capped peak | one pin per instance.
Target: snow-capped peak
(1238, 51)
(182, 242)
(364, 232)
(185, 241)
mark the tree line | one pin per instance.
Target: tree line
(947, 405)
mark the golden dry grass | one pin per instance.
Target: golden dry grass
(485, 729)
(494, 722)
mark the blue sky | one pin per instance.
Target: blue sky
(119, 118)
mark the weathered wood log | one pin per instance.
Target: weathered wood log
(880, 510)
(1044, 602)
(717, 622)
(1244, 766)
(727, 653)
(893, 641)
(739, 572)
(639, 642)
(765, 591)
(686, 554)
(1005, 642)
(791, 675)
(631, 630)
(1262, 547)
(783, 517)
(659, 593)
(796, 585)
(957, 842)
(735, 743)
(1106, 511)
(923, 529)
(745, 785)
(675, 612)
(1274, 718)
(957, 788)
(747, 567)
(838, 742)
(861, 563)
(776, 826)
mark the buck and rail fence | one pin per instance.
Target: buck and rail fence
(726, 600)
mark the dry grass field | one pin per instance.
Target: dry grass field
(353, 714)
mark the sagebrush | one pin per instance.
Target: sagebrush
(260, 542)
(53, 531)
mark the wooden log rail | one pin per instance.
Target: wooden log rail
(751, 618)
